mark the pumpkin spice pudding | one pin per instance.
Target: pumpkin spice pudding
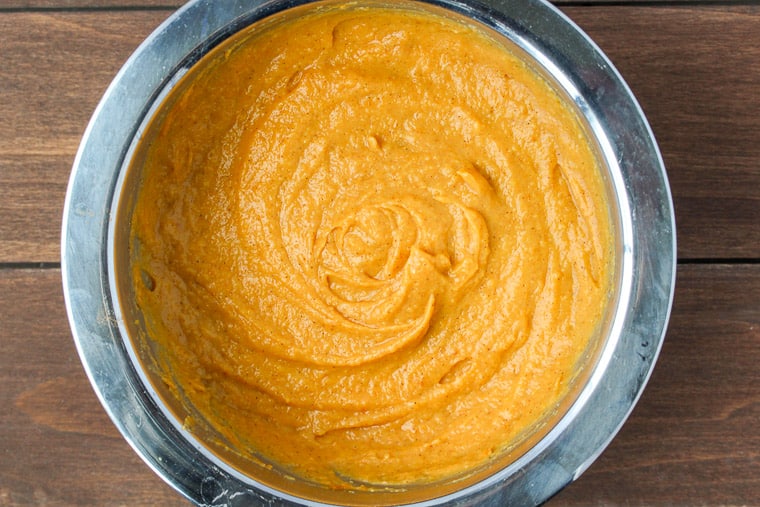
(371, 246)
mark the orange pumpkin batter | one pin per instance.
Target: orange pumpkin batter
(371, 244)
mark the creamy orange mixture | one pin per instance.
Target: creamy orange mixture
(372, 246)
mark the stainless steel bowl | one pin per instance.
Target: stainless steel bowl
(106, 327)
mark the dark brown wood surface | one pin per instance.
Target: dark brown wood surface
(693, 439)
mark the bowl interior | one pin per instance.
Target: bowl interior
(256, 471)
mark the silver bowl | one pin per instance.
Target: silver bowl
(95, 230)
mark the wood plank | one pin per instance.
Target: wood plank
(57, 445)
(89, 4)
(55, 69)
(173, 4)
(695, 70)
(34, 189)
(692, 439)
(618, 3)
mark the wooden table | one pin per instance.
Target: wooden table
(693, 439)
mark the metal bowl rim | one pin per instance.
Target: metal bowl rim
(97, 330)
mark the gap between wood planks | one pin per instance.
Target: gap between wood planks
(559, 3)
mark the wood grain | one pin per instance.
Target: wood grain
(89, 4)
(55, 69)
(33, 191)
(695, 70)
(57, 445)
(692, 439)
(173, 4)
